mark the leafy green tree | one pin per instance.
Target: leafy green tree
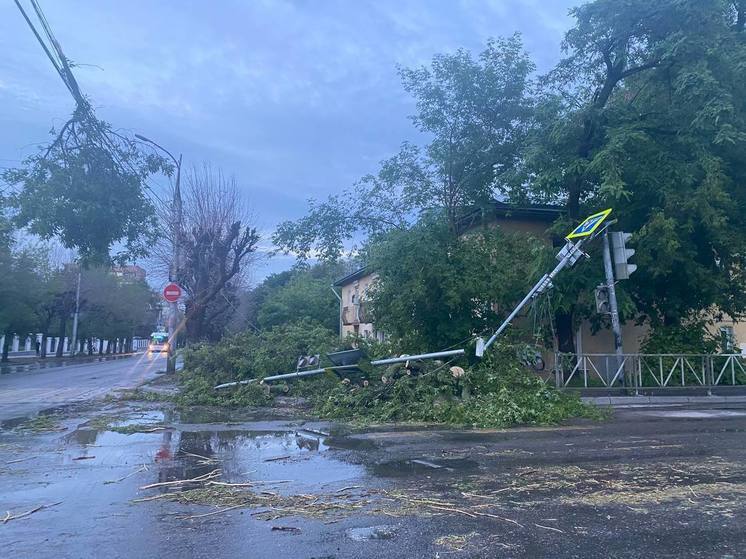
(87, 188)
(112, 308)
(475, 110)
(307, 295)
(646, 114)
(435, 290)
(20, 292)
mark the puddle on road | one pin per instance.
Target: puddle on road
(297, 458)
(381, 532)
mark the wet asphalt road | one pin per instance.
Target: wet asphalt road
(28, 392)
(652, 482)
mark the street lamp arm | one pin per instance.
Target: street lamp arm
(160, 147)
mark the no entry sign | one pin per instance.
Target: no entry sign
(172, 292)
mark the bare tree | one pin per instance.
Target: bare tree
(218, 245)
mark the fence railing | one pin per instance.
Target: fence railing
(649, 370)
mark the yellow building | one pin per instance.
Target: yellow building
(354, 317)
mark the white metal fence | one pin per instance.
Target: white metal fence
(645, 370)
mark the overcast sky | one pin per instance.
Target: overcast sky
(296, 99)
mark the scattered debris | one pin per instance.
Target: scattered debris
(277, 458)
(142, 468)
(427, 464)
(20, 460)
(193, 516)
(204, 477)
(316, 432)
(8, 516)
(203, 460)
(84, 458)
(549, 528)
(456, 542)
(42, 424)
(285, 529)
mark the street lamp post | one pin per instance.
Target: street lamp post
(175, 267)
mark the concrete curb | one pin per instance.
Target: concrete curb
(644, 400)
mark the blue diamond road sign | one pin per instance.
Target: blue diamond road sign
(589, 226)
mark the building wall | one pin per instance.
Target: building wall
(355, 293)
(738, 330)
(533, 227)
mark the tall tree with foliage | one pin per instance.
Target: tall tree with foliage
(435, 290)
(307, 295)
(474, 109)
(20, 293)
(218, 244)
(87, 189)
(646, 114)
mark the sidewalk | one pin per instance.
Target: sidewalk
(622, 401)
(28, 364)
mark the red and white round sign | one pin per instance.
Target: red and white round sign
(172, 292)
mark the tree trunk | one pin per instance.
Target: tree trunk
(43, 352)
(63, 329)
(90, 347)
(195, 319)
(6, 346)
(108, 346)
(100, 347)
(565, 333)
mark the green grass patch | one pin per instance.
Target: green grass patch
(41, 424)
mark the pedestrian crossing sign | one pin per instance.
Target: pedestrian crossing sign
(589, 226)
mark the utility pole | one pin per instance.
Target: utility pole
(74, 340)
(174, 269)
(172, 322)
(613, 308)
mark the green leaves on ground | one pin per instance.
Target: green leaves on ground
(249, 355)
(501, 393)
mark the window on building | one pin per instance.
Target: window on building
(727, 338)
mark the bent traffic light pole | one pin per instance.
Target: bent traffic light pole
(572, 253)
(588, 230)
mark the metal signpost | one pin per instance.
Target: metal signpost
(172, 294)
(616, 327)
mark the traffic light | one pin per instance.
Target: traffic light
(602, 299)
(621, 254)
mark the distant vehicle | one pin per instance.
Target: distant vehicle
(158, 342)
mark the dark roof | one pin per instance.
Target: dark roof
(538, 212)
(349, 278)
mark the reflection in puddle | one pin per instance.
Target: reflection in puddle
(298, 459)
(380, 532)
